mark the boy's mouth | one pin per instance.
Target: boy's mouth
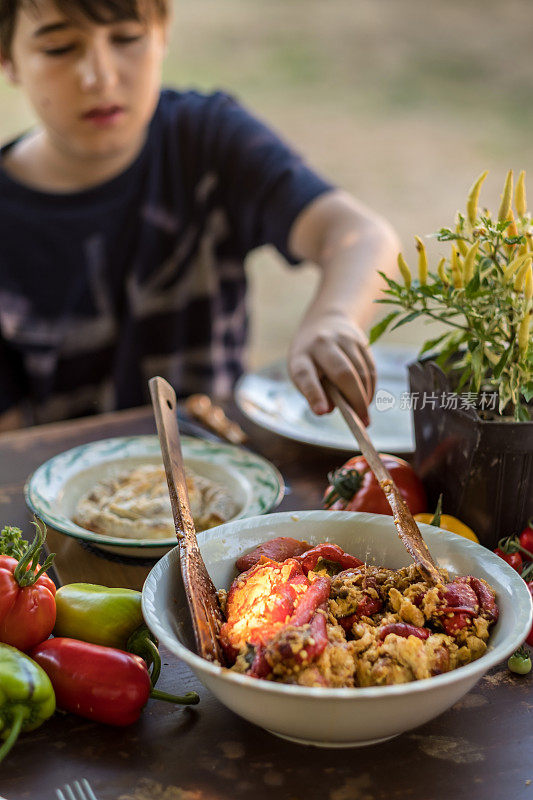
(104, 115)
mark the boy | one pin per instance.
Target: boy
(125, 217)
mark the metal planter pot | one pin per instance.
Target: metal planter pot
(483, 468)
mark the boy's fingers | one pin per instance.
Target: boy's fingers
(304, 376)
(336, 365)
(356, 355)
(370, 363)
(361, 342)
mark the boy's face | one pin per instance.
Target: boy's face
(94, 87)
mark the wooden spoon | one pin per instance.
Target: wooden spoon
(403, 519)
(201, 594)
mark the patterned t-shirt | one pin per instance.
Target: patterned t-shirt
(143, 275)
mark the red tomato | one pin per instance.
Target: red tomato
(529, 639)
(514, 559)
(526, 537)
(354, 487)
(27, 613)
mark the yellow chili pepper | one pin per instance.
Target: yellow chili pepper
(492, 357)
(528, 286)
(422, 261)
(510, 232)
(473, 198)
(470, 261)
(520, 278)
(404, 270)
(507, 195)
(442, 272)
(520, 200)
(514, 265)
(449, 523)
(462, 246)
(457, 274)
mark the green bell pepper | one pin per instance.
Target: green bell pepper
(27, 698)
(111, 617)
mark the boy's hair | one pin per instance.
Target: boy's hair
(99, 11)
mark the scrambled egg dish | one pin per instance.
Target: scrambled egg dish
(316, 616)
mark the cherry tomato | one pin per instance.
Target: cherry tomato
(514, 559)
(354, 487)
(526, 537)
(520, 662)
(529, 639)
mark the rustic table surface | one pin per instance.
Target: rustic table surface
(480, 748)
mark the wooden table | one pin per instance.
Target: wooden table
(481, 748)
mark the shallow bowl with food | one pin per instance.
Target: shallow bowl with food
(54, 490)
(346, 717)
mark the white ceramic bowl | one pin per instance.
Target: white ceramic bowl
(335, 717)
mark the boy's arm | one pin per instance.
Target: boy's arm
(350, 243)
(11, 419)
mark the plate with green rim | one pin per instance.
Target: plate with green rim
(52, 492)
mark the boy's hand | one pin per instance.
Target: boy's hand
(334, 346)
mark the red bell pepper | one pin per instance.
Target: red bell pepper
(279, 549)
(27, 596)
(100, 683)
(328, 552)
(404, 630)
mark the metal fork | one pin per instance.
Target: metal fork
(81, 791)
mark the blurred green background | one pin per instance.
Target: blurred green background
(402, 102)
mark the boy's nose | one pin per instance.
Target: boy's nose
(98, 70)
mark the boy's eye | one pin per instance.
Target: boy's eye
(59, 51)
(123, 39)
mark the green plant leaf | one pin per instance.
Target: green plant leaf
(393, 284)
(452, 346)
(527, 392)
(472, 287)
(429, 291)
(447, 235)
(498, 369)
(521, 413)
(381, 326)
(388, 300)
(477, 357)
(432, 343)
(466, 375)
(409, 318)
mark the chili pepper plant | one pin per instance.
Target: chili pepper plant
(481, 289)
(483, 292)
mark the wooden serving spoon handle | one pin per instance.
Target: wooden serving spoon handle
(199, 588)
(403, 519)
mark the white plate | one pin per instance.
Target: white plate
(54, 489)
(269, 398)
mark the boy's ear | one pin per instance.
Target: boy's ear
(166, 34)
(8, 68)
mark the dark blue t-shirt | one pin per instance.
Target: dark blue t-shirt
(143, 275)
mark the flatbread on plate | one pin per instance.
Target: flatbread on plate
(136, 505)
